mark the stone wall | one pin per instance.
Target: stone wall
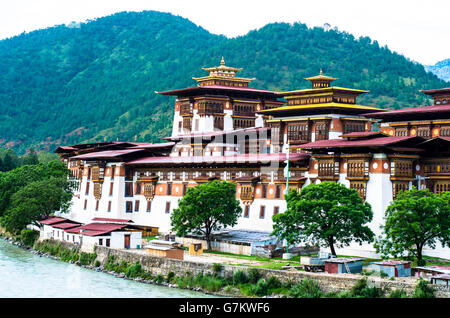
(327, 282)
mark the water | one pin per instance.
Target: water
(23, 274)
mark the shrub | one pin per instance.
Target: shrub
(274, 282)
(422, 290)
(28, 237)
(133, 270)
(217, 268)
(261, 288)
(307, 288)
(97, 263)
(159, 279)
(253, 275)
(398, 293)
(383, 274)
(87, 258)
(239, 277)
(361, 290)
(170, 277)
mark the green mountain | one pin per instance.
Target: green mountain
(440, 69)
(96, 81)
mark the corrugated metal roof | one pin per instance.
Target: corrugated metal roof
(240, 158)
(339, 143)
(112, 220)
(65, 225)
(107, 153)
(51, 221)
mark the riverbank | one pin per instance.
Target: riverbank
(228, 281)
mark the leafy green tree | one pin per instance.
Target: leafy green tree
(206, 208)
(12, 181)
(414, 219)
(326, 214)
(30, 158)
(36, 201)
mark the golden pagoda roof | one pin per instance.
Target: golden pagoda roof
(322, 89)
(332, 104)
(321, 77)
(222, 68)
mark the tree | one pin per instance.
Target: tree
(326, 214)
(414, 219)
(205, 208)
(36, 201)
(31, 158)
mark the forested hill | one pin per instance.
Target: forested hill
(96, 81)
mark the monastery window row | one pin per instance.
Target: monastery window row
(354, 126)
(356, 168)
(437, 167)
(243, 109)
(402, 168)
(321, 131)
(205, 108)
(186, 109)
(441, 186)
(444, 131)
(262, 211)
(360, 187)
(401, 132)
(399, 186)
(298, 132)
(243, 123)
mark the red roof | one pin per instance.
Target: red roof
(66, 225)
(337, 143)
(363, 134)
(415, 110)
(112, 220)
(93, 229)
(219, 133)
(106, 154)
(239, 158)
(212, 87)
(51, 221)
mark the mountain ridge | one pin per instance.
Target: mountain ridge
(441, 69)
(97, 82)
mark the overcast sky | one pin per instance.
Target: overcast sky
(418, 29)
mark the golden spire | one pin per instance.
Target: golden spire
(321, 73)
(222, 62)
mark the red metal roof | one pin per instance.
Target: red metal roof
(239, 158)
(219, 133)
(212, 87)
(51, 221)
(363, 134)
(337, 143)
(112, 220)
(106, 154)
(66, 225)
(415, 110)
(94, 229)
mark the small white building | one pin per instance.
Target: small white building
(112, 235)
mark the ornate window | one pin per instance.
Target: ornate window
(322, 129)
(353, 126)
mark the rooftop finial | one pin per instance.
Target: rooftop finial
(222, 62)
(321, 73)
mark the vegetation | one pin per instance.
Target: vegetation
(28, 236)
(414, 219)
(205, 208)
(65, 84)
(422, 290)
(315, 216)
(32, 192)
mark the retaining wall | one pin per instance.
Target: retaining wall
(327, 282)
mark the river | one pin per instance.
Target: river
(24, 274)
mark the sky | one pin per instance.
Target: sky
(417, 29)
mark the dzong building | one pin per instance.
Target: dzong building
(226, 130)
